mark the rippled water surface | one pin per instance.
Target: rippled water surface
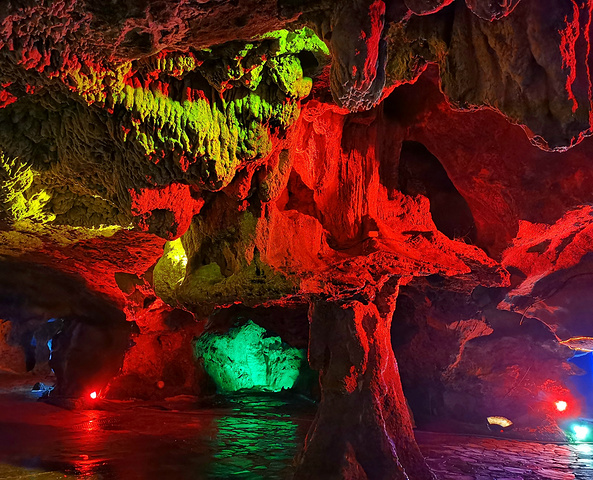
(244, 437)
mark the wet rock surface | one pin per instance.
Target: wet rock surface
(455, 457)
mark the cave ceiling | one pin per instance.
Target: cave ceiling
(255, 151)
(300, 165)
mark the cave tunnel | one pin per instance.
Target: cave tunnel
(421, 173)
(278, 239)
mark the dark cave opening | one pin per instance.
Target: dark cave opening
(61, 328)
(421, 173)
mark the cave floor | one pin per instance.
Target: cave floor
(247, 437)
(463, 457)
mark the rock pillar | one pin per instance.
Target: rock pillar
(363, 428)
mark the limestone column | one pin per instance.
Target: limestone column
(362, 429)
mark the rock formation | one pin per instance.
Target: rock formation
(414, 173)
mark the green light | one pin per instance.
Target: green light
(581, 432)
(246, 359)
(240, 93)
(256, 440)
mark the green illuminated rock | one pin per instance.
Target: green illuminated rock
(221, 104)
(93, 129)
(222, 266)
(169, 271)
(246, 359)
(20, 196)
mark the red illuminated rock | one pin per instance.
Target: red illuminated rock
(424, 7)
(492, 164)
(553, 273)
(362, 428)
(184, 121)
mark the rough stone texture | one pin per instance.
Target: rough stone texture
(553, 269)
(362, 428)
(359, 53)
(206, 126)
(491, 163)
(247, 357)
(159, 361)
(151, 126)
(463, 359)
(531, 65)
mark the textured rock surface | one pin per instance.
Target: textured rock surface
(463, 359)
(248, 358)
(531, 65)
(161, 160)
(362, 428)
(553, 269)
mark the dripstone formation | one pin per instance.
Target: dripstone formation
(356, 177)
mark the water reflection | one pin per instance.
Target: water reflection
(253, 447)
(242, 437)
(91, 444)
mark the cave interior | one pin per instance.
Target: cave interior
(330, 239)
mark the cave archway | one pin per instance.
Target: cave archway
(59, 324)
(421, 173)
(257, 350)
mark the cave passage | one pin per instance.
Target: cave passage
(247, 358)
(421, 173)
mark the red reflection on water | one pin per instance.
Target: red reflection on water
(90, 444)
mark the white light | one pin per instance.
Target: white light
(580, 432)
(561, 405)
(93, 395)
(501, 421)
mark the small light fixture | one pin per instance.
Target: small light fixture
(498, 424)
(561, 405)
(500, 421)
(93, 395)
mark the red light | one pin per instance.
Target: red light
(561, 405)
(93, 395)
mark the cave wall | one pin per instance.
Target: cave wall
(163, 162)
